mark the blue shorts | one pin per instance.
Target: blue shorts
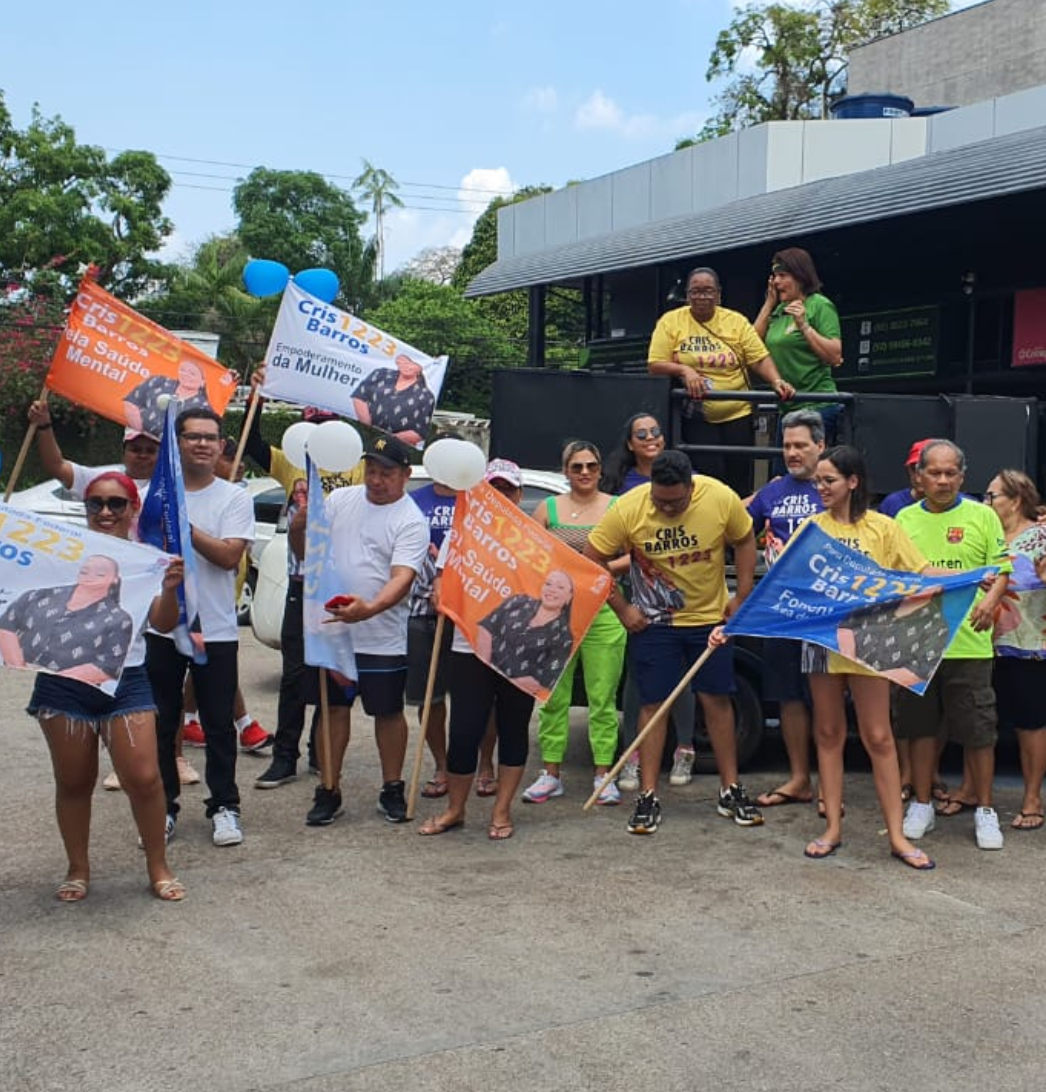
(660, 656)
(54, 695)
(783, 678)
(380, 686)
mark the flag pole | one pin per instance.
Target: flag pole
(241, 444)
(16, 470)
(426, 709)
(327, 777)
(662, 711)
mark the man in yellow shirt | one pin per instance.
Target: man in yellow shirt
(676, 531)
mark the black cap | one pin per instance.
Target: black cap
(387, 450)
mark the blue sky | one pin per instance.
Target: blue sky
(458, 101)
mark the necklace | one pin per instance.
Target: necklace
(582, 507)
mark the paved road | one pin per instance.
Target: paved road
(361, 957)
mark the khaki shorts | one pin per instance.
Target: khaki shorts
(959, 705)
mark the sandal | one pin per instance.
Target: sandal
(71, 891)
(432, 825)
(486, 786)
(434, 788)
(907, 792)
(777, 799)
(172, 890)
(818, 849)
(951, 806)
(499, 832)
(917, 859)
(1028, 820)
(940, 790)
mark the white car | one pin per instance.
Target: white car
(270, 576)
(51, 499)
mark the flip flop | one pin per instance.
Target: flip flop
(824, 849)
(940, 790)
(778, 799)
(71, 891)
(499, 832)
(907, 792)
(172, 890)
(486, 786)
(434, 826)
(917, 860)
(1020, 821)
(949, 806)
(434, 788)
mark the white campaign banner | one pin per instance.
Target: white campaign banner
(72, 600)
(320, 356)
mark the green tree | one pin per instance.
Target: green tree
(304, 221)
(208, 294)
(378, 188)
(507, 312)
(437, 319)
(788, 61)
(64, 206)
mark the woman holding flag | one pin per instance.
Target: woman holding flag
(841, 483)
(74, 715)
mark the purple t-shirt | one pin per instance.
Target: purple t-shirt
(780, 507)
(439, 511)
(892, 503)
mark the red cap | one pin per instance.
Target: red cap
(915, 451)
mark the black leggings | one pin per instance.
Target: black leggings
(475, 691)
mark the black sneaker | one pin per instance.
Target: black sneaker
(646, 815)
(734, 804)
(326, 807)
(392, 803)
(278, 773)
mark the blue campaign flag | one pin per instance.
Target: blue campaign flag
(896, 624)
(326, 644)
(164, 523)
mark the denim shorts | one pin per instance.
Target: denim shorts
(660, 655)
(54, 695)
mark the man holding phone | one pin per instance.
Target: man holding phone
(381, 539)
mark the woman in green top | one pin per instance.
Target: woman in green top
(801, 331)
(602, 653)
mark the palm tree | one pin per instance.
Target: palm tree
(378, 187)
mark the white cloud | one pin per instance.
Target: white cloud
(599, 111)
(542, 100)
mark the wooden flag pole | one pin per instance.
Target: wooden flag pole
(662, 711)
(430, 685)
(248, 421)
(16, 470)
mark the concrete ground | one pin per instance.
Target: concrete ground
(361, 957)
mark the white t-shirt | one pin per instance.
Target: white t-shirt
(84, 475)
(223, 510)
(369, 539)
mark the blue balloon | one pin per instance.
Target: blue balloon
(321, 283)
(265, 278)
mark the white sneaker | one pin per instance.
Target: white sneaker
(628, 779)
(187, 775)
(111, 783)
(682, 767)
(919, 819)
(543, 789)
(986, 826)
(610, 796)
(227, 830)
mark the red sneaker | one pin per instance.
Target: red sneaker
(254, 738)
(192, 734)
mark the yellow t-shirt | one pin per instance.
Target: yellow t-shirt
(720, 350)
(678, 565)
(286, 473)
(887, 544)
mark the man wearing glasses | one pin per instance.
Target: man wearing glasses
(221, 518)
(676, 531)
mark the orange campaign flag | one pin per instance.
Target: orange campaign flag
(523, 598)
(125, 367)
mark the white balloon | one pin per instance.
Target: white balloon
(335, 445)
(294, 441)
(460, 465)
(437, 458)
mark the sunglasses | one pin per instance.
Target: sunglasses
(578, 468)
(116, 505)
(654, 433)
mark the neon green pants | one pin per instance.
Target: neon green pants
(602, 655)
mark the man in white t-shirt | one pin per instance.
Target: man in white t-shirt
(221, 518)
(380, 541)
